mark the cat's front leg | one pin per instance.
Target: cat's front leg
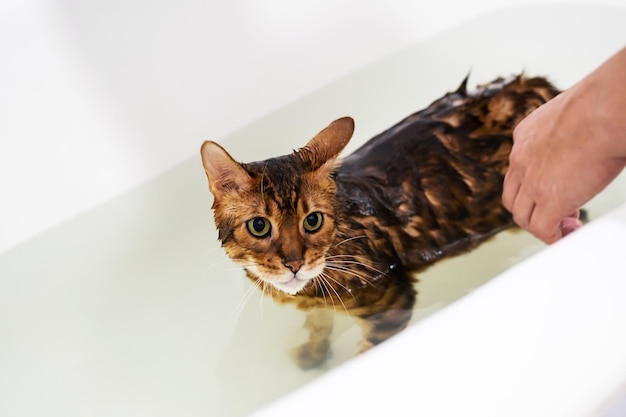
(391, 312)
(379, 327)
(315, 351)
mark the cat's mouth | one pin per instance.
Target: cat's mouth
(291, 283)
(292, 286)
(288, 282)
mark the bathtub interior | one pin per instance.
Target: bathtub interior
(132, 308)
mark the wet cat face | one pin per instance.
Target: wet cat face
(276, 217)
(280, 242)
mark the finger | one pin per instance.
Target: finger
(522, 208)
(510, 188)
(545, 226)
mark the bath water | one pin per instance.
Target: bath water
(134, 306)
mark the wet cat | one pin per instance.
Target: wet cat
(350, 235)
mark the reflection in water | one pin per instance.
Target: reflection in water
(257, 367)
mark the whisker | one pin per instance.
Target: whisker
(324, 276)
(236, 313)
(341, 261)
(349, 271)
(230, 268)
(234, 264)
(340, 268)
(349, 239)
(346, 255)
(263, 286)
(323, 285)
(330, 277)
(213, 250)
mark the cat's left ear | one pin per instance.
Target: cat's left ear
(325, 147)
(224, 173)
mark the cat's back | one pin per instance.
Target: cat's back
(468, 123)
(431, 185)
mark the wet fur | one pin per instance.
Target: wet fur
(427, 188)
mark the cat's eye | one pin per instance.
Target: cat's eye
(259, 227)
(313, 222)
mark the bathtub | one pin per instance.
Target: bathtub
(131, 307)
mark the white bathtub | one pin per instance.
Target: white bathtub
(131, 307)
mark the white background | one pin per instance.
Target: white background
(75, 77)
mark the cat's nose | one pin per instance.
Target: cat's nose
(295, 265)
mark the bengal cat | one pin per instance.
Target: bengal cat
(350, 235)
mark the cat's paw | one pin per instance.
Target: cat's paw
(311, 355)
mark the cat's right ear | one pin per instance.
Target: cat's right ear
(224, 173)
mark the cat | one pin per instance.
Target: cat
(351, 234)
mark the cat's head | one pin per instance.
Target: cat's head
(277, 217)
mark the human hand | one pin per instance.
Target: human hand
(567, 151)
